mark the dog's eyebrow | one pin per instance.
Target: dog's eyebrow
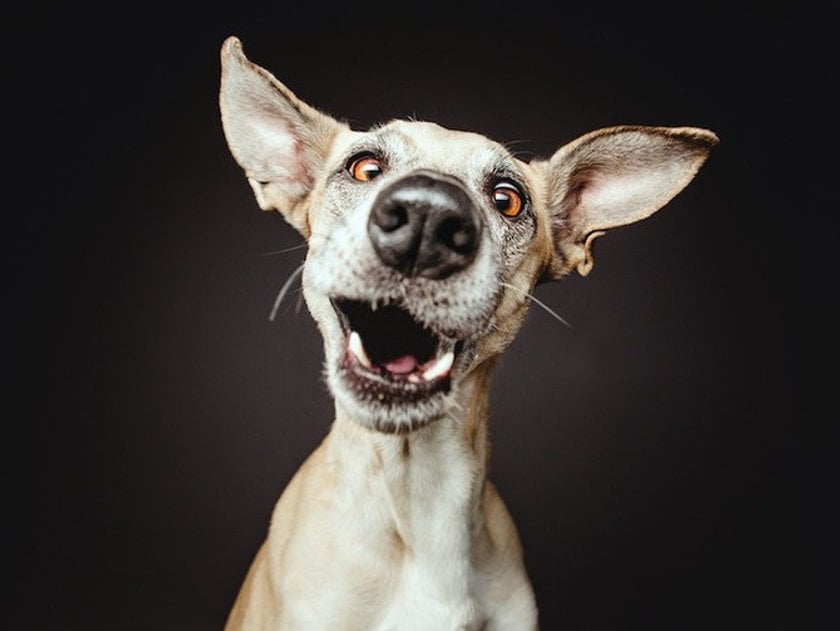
(380, 139)
(506, 169)
(505, 165)
(394, 141)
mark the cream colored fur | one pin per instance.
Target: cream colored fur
(392, 522)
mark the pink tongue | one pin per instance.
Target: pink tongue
(401, 365)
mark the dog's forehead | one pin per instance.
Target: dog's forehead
(436, 146)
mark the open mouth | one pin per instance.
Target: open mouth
(390, 354)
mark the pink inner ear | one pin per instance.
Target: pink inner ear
(577, 201)
(277, 153)
(604, 199)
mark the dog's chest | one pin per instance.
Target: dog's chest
(435, 585)
(425, 500)
(423, 601)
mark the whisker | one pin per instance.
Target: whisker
(283, 251)
(539, 302)
(510, 144)
(522, 154)
(284, 290)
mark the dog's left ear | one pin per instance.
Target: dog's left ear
(613, 177)
(279, 140)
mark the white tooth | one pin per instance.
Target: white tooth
(356, 347)
(440, 367)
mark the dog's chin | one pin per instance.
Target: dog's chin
(391, 373)
(389, 416)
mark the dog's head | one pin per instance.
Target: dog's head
(424, 242)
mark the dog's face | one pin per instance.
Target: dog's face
(424, 242)
(420, 229)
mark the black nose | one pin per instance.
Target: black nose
(425, 224)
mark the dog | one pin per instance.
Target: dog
(424, 245)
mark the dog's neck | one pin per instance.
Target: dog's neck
(428, 484)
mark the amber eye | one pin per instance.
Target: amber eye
(508, 199)
(365, 168)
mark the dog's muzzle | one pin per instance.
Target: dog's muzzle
(408, 323)
(425, 224)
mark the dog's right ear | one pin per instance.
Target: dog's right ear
(279, 140)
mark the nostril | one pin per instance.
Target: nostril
(457, 235)
(390, 218)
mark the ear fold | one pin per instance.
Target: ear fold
(278, 140)
(613, 177)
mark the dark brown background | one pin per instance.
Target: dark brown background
(655, 456)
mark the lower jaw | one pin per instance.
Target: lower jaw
(392, 408)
